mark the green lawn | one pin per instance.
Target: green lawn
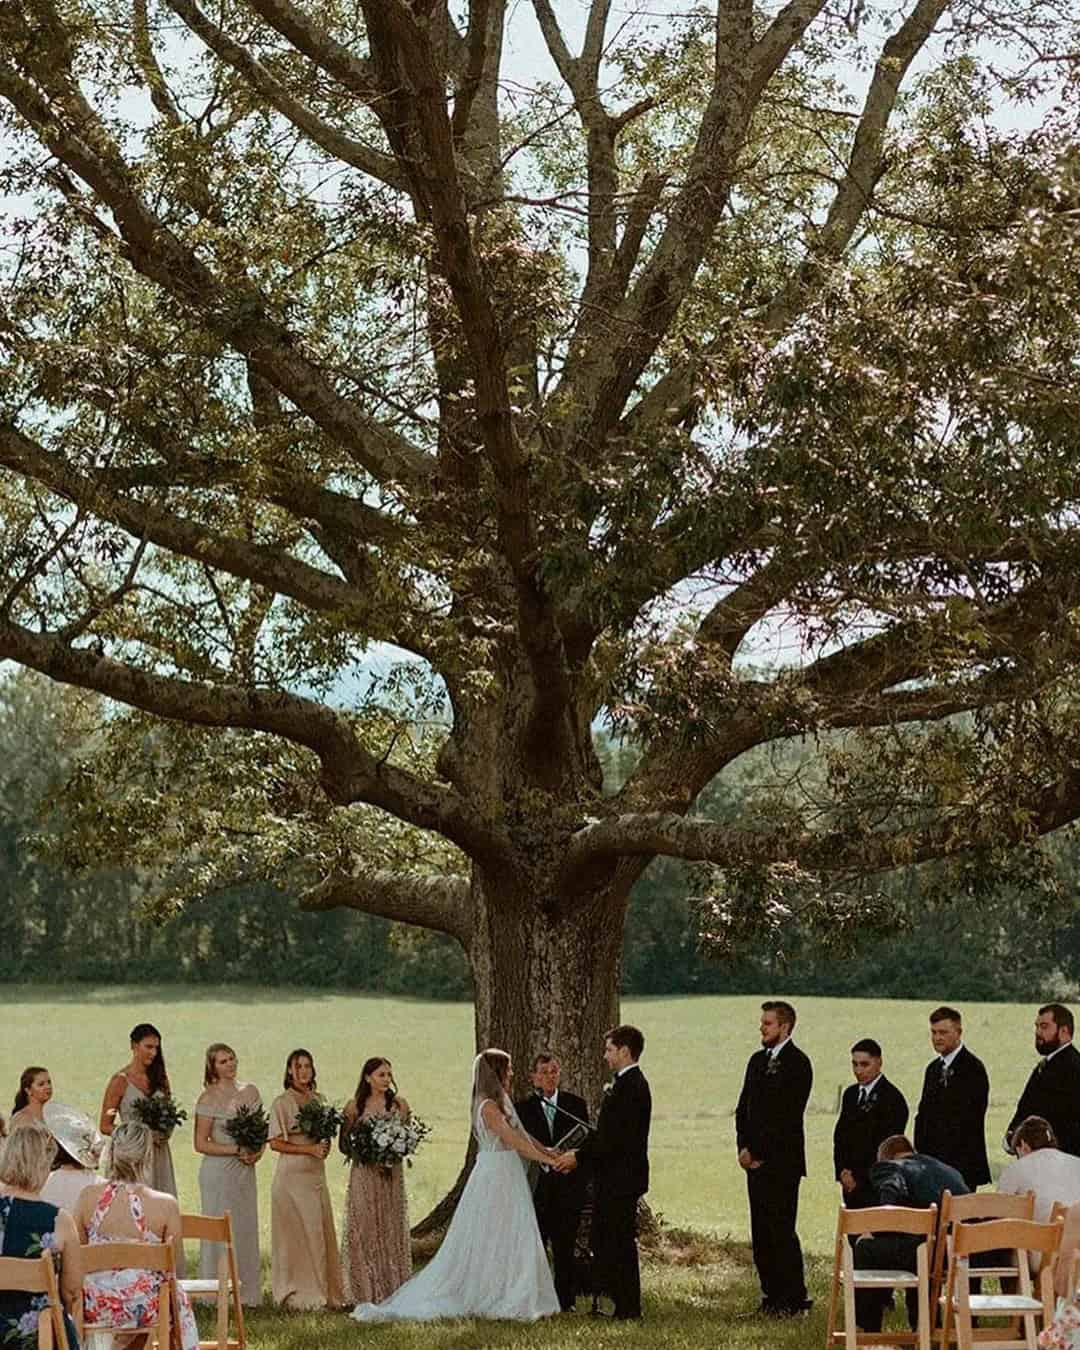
(696, 1051)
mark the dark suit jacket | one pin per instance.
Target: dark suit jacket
(553, 1189)
(951, 1120)
(619, 1150)
(769, 1116)
(916, 1182)
(1053, 1092)
(858, 1132)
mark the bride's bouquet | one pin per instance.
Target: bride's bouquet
(385, 1141)
(319, 1120)
(158, 1112)
(249, 1128)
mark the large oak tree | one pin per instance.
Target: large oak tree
(576, 383)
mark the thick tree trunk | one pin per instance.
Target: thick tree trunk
(542, 983)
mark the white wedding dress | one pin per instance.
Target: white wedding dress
(491, 1262)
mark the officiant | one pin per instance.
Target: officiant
(549, 1113)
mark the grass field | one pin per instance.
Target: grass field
(695, 1055)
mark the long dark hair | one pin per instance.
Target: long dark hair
(294, 1055)
(156, 1074)
(26, 1081)
(363, 1088)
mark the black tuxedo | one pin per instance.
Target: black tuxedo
(619, 1153)
(769, 1123)
(858, 1132)
(950, 1123)
(559, 1196)
(1053, 1092)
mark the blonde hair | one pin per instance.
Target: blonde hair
(27, 1157)
(131, 1152)
(209, 1072)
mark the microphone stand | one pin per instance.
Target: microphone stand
(563, 1111)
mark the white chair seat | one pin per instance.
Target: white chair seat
(868, 1279)
(199, 1286)
(986, 1305)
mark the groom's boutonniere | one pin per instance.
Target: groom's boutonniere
(608, 1088)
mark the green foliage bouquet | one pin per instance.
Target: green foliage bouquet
(385, 1140)
(249, 1128)
(159, 1112)
(319, 1120)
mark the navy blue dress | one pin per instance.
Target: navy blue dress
(27, 1228)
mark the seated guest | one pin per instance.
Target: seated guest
(35, 1089)
(28, 1226)
(899, 1177)
(125, 1209)
(1042, 1167)
(78, 1148)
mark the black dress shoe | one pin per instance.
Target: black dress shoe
(789, 1309)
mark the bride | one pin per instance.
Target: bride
(491, 1262)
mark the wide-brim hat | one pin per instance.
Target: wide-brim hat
(74, 1132)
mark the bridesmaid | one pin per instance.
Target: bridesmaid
(304, 1252)
(376, 1254)
(141, 1078)
(35, 1089)
(226, 1174)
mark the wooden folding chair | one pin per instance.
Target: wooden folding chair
(962, 1307)
(154, 1256)
(225, 1287)
(37, 1275)
(847, 1277)
(1067, 1268)
(969, 1208)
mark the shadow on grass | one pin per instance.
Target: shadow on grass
(685, 1306)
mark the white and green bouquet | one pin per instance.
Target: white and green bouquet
(385, 1140)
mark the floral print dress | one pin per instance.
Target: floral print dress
(129, 1297)
(1064, 1334)
(27, 1228)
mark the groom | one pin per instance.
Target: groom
(619, 1153)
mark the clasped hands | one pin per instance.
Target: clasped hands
(562, 1162)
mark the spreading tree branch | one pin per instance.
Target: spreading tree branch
(441, 903)
(71, 130)
(350, 773)
(322, 133)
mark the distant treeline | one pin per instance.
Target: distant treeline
(58, 927)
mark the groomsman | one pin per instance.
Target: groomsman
(871, 1110)
(1053, 1090)
(619, 1152)
(772, 1151)
(950, 1123)
(548, 1115)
